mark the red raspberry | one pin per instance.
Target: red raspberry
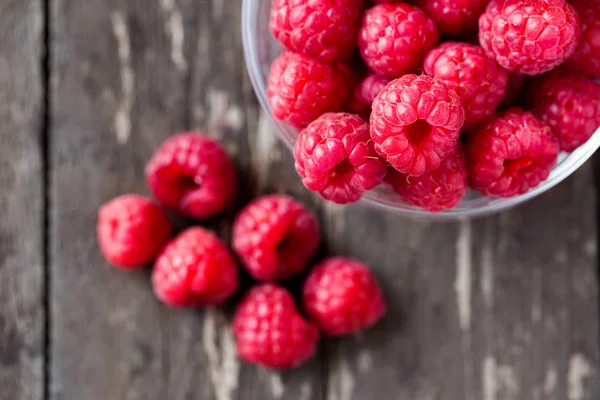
(415, 123)
(437, 190)
(529, 36)
(335, 157)
(510, 154)
(586, 58)
(570, 104)
(326, 30)
(275, 236)
(394, 38)
(194, 269)
(192, 174)
(360, 100)
(300, 89)
(342, 297)
(454, 17)
(478, 80)
(269, 330)
(131, 231)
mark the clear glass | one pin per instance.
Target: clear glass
(260, 49)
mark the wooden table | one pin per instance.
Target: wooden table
(504, 307)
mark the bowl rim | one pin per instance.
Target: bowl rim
(285, 133)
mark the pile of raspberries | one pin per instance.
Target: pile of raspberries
(274, 238)
(406, 94)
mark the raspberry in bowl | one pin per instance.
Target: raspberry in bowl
(261, 49)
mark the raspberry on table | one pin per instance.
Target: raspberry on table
(437, 190)
(394, 38)
(335, 156)
(342, 296)
(415, 123)
(300, 89)
(586, 57)
(529, 36)
(195, 269)
(360, 100)
(270, 331)
(132, 230)
(510, 154)
(275, 237)
(192, 174)
(326, 30)
(570, 104)
(454, 17)
(478, 80)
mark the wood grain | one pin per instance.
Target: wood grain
(497, 308)
(503, 307)
(21, 201)
(125, 76)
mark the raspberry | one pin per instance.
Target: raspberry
(131, 231)
(454, 17)
(192, 174)
(360, 100)
(529, 36)
(570, 104)
(326, 30)
(510, 154)
(394, 38)
(415, 123)
(478, 80)
(437, 190)
(194, 269)
(269, 330)
(275, 237)
(342, 297)
(586, 58)
(300, 89)
(335, 157)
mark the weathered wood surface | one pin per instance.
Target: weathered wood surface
(504, 307)
(21, 201)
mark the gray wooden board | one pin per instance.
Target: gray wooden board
(124, 77)
(503, 307)
(21, 201)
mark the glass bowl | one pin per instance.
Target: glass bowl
(261, 48)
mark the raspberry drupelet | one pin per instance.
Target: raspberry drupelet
(454, 17)
(360, 100)
(478, 80)
(510, 154)
(275, 237)
(342, 296)
(326, 30)
(132, 231)
(300, 89)
(335, 156)
(437, 190)
(570, 104)
(195, 269)
(415, 123)
(192, 175)
(586, 58)
(270, 331)
(529, 36)
(394, 38)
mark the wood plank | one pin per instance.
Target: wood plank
(21, 201)
(125, 76)
(504, 307)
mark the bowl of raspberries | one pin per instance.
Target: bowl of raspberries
(433, 108)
